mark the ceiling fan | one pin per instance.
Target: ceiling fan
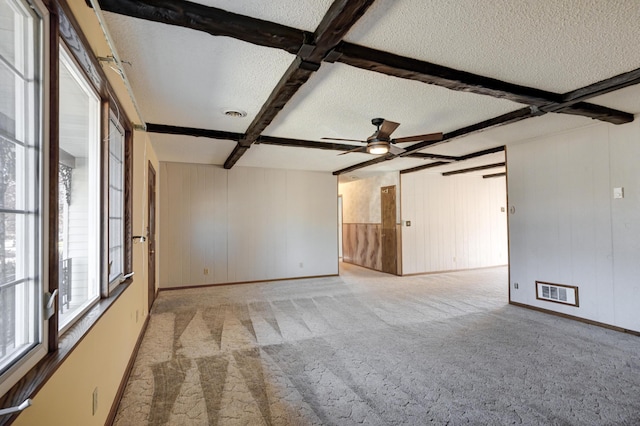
(381, 143)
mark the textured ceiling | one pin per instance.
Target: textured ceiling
(188, 78)
(184, 77)
(555, 45)
(301, 14)
(339, 101)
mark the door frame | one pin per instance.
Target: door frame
(151, 234)
(392, 243)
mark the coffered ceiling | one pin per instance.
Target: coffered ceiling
(486, 74)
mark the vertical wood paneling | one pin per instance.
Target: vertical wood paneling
(567, 228)
(456, 222)
(246, 224)
(362, 244)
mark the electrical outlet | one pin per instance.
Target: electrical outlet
(515, 285)
(95, 401)
(206, 271)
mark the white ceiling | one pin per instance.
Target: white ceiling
(555, 45)
(183, 77)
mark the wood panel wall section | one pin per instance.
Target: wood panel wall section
(246, 224)
(361, 244)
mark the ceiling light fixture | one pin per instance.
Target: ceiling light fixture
(378, 147)
(235, 113)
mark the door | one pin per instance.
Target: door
(151, 234)
(388, 231)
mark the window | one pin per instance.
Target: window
(116, 202)
(21, 203)
(79, 193)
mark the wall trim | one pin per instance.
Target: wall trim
(160, 289)
(371, 269)
(575, 318)
(454, 270)
(127, 374)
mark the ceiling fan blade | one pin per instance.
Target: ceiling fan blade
(422, 138)
(395, 150)
(345, 140)
(387, 128)
(358, 149)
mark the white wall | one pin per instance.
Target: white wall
(456, 222)
(568, 229)
(361, 198)
(245, 224)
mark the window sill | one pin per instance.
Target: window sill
(38, 376)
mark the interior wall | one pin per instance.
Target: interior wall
(457, 222)
(100, 359)
(361, 220)
(245, 224)
(361, 198)
(567, 228)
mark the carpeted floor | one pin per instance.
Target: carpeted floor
(370, 348)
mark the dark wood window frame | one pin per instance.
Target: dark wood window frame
(63, 28)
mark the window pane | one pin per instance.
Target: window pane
(7, 100)
(8, 245)
(79, 192)
(20, 85)
(18, 319)
(116, 202)
(8, 174)
(8, 19)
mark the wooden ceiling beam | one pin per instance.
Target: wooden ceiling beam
(212, 20)
(191, 131)
(474, 169)
(461, 158)
(272, 140)
(301, 143)
(326, 44)
(426, 72)
(424, 167)
(603, 87)
(425, 156)
(494, 175)
(371, 162)
(596, 112)
(335, 24)
(296, 75)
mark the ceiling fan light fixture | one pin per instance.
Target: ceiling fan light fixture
(378, 148)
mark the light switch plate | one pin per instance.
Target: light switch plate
(618, 192)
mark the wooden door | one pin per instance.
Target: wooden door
(151, 234)
(388, 231)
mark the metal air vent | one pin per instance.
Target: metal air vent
(559, 293)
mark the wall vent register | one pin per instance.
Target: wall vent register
(558, 293)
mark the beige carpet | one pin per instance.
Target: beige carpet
(370, 348)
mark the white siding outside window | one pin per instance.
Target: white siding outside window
(79, 276)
